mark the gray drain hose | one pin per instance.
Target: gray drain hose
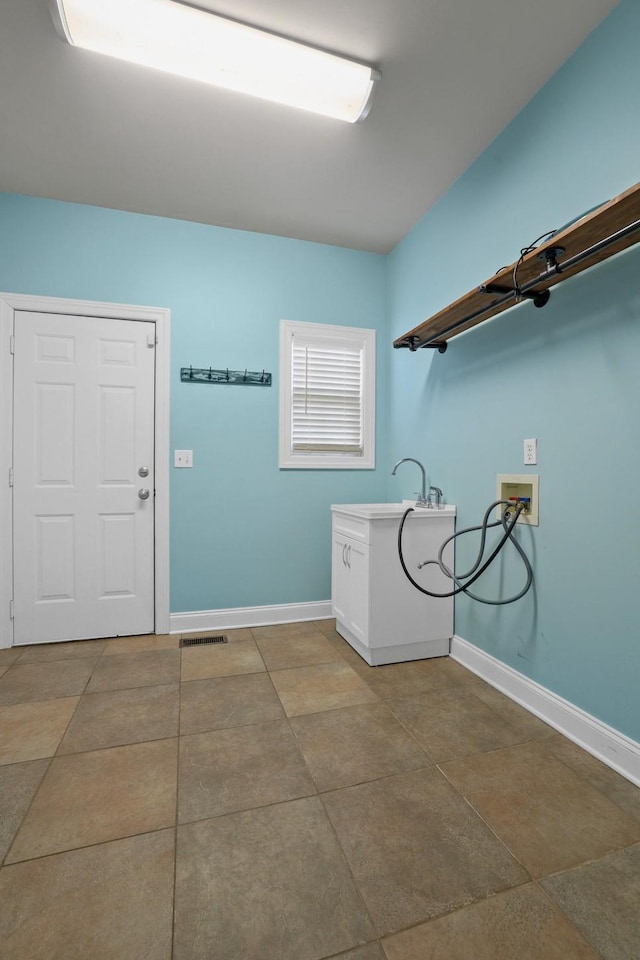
(474, 573)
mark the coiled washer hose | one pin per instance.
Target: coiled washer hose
(477, 569)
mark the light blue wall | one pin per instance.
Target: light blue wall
(567, 374)
(243, 532)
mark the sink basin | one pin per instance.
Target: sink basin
(371, 511)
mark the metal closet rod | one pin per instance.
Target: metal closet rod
(546, 275)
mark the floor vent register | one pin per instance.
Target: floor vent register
(198, 641)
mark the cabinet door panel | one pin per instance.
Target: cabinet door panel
(358, 575)
(340, 588)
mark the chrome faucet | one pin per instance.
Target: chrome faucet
(422, 499)
(438, 493)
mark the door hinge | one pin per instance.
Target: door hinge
(12, 344)
(10, 609)
(10, 476)
(151, 340)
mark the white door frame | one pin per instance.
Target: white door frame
(11, 305)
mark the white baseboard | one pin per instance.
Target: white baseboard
(249, 616)
(604, 742)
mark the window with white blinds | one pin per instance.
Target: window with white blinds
(327, 396)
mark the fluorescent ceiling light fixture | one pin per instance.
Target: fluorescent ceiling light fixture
(193, 43)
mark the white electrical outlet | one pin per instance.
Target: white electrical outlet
(531, 451)
(183, 458)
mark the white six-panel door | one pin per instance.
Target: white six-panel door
(83, 439)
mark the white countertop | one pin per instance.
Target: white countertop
(389, 511)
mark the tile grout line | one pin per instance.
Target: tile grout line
(585, 783)
(488, 825)
(175, 827)
(588, 782)
(26, 813)
(56, 755)
(384, 702)
(457, 909)
(466, 756)
(85, 846)
(530, 879)
(50, 759)
(356, 887)
(287, 718)
(566, 916)
(537, 881)
(116, 746)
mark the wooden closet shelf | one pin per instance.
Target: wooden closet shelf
(592, 238)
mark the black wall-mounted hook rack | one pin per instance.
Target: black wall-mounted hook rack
(248, 378)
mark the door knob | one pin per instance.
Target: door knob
(143, 493)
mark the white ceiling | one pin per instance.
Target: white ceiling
(77, 126)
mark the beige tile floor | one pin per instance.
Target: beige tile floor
(275, 798)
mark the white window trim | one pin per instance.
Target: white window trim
(331, 460)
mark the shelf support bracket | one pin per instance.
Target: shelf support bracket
(550, 256)
(413, 344)
(540, 299)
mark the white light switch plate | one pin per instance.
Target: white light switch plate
(183, 458)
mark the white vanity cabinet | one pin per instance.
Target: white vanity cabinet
(377, 610)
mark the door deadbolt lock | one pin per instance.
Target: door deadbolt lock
(143, 494)
(143, 472)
